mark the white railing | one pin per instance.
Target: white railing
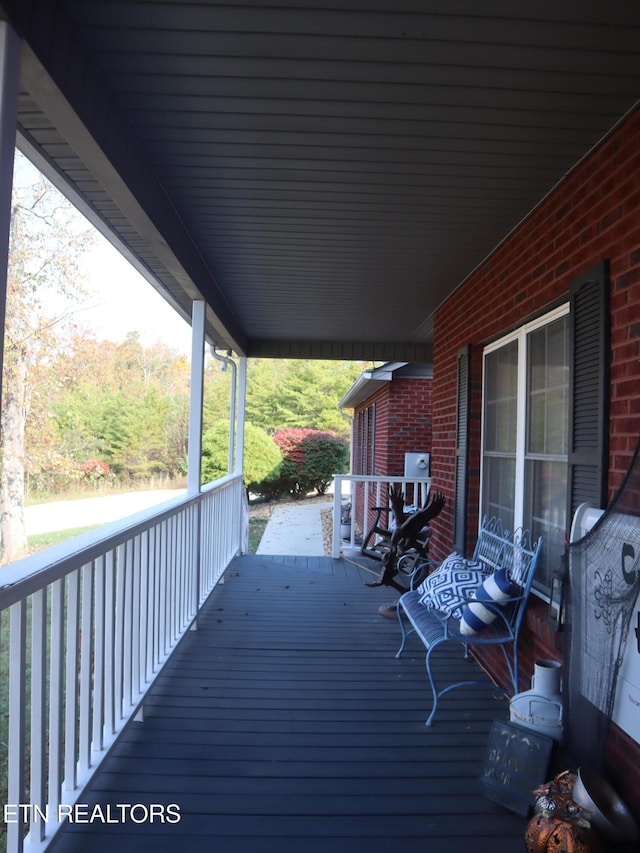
(85, 628)
(362, 493)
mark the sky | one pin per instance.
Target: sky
(121, 300)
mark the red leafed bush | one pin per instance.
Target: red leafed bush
(94, 469)
(310, 458)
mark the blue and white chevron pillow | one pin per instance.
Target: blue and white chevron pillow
(451, 585)
(496, 588)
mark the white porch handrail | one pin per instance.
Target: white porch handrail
(89, 624)
(363, 492)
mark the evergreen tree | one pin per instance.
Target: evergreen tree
(299, 393)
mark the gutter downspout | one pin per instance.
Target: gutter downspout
(226, 361)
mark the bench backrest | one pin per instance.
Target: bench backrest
(514, 552)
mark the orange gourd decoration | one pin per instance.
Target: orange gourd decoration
(554, 834)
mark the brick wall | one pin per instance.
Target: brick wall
(592, 215)
(403, 422)
(381, 450)
(409, 420)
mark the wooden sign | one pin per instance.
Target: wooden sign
(517, 761)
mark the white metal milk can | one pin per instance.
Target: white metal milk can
(540, 708)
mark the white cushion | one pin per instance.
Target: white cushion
(475, 616)
(451, 585)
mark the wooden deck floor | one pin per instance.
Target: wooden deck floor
(285, 722)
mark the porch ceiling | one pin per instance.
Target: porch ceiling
(324, 174)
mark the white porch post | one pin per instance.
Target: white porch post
(9, 83)
(239, 462)
(232, 419)
(242, 401)
(194, 460)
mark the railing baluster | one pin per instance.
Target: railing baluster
(127, 628)
(86, 669)
(17, 670)
(56, 693)
(37, 774)
(119, 611)
(144, 610)
(164, 583)
(183, 550)
(173, 582)
(196, 559)
(109, 645)
(151, 597)
(157, 571)
(135, 621)
(205, 553)
(97, 734)
(71, 682)
(179, 576)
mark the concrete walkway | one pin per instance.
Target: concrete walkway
(63, 515)
(292, 529)
(295, 530)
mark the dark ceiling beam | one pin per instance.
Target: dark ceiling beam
(342, 351)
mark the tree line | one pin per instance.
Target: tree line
(111, 412)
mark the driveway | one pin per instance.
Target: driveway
(63, 515)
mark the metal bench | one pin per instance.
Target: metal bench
(495, 549)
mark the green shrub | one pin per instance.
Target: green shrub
(262, 460)
(261, 455)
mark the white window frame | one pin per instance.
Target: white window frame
(519, 335)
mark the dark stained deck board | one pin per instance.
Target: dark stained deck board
(285, 721)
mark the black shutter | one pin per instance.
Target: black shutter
(589, 390)
(372, 451)
(462, 452)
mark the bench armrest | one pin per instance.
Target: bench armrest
(419, 569)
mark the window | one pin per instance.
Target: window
(525, 434)
(365, 440)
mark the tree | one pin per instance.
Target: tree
(124, 404)
(299, 393)
(261, 455)
(44, 285)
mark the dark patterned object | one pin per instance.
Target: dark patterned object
(411, 535)
(604, 573)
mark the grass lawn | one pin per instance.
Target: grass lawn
(256, 529)
(45, 540)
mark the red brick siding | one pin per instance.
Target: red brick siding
(381, 447)
(593, 215)
(409, 420)
(403, 422)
